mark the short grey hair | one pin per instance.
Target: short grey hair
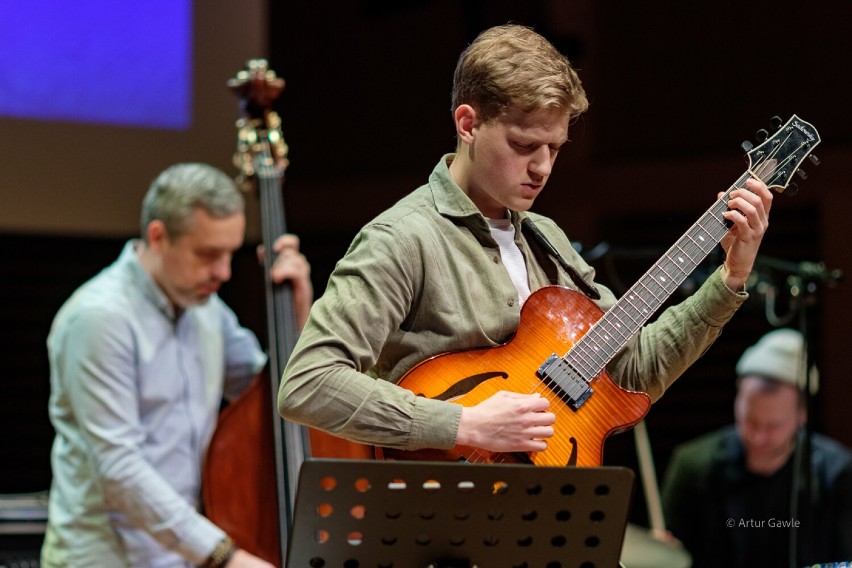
(182, 188)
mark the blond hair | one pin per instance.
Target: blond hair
(513, 66)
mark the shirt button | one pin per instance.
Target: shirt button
(511, 302)
(496, 260)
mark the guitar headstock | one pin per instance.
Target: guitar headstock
(779, 156)
(259, 139)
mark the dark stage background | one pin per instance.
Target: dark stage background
(674, 88)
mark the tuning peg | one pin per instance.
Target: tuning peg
(746, 145)
(776, 122)
(814, 160)
(762, 135)
(791, 189)
(802, 174)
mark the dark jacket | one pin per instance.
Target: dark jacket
(726, 516)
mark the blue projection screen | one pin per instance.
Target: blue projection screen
(97, 61)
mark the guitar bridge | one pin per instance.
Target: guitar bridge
(565, 381)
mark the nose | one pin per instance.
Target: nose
(757, 437)
(221, 269)
(541, 162)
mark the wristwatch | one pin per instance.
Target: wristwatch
(222, 554)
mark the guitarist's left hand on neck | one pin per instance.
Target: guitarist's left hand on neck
(749, 218)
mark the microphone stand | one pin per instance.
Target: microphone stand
(803, 280)
(802, 459)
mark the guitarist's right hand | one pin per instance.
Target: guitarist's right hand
(507, 422)
(242, 559)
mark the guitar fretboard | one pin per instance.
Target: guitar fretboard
(600, 344)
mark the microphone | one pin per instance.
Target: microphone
(809, 270)
(819, 272)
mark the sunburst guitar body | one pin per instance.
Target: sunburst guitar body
(553, 319)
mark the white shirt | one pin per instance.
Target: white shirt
(504, 233)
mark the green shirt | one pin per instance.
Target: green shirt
(425, 277)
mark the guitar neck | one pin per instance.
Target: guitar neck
(774, 161)
(621, 322)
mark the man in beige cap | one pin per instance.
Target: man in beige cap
(727, 495)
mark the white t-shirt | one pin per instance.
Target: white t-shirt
(504, 233)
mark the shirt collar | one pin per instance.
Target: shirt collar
(451, 201)
(143, 280)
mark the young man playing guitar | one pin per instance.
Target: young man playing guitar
(449, 267)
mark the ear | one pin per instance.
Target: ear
(157, 236)
(802, 414)
(466, 120)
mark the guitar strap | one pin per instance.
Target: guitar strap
(543, 250)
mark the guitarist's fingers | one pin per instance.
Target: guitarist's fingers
(541, 432)
(535, 446)
(512, 394)
(543, 418)
(749, 216)
(759, 189)
(752, 204)
(758, 200)
(532, 401)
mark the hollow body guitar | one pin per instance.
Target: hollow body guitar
(564, 341)
(553, 319)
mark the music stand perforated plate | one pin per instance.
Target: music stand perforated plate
(396, 514)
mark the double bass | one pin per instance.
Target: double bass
(252, 465)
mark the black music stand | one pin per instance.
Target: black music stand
(395, 514)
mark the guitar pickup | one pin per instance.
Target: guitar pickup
(563, 379)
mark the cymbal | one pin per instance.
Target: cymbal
(642, 550)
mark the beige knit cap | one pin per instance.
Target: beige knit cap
(778, 355)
